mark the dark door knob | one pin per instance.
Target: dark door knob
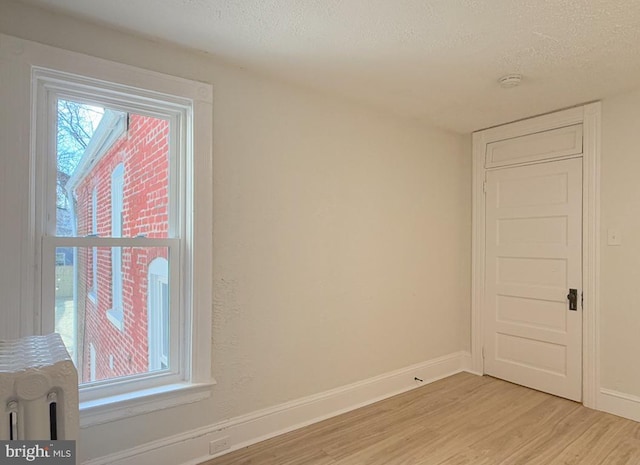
(573, 299)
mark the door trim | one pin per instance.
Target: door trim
(590, 117)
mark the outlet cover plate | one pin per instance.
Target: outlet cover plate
(219, 445)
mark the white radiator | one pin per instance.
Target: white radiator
(38, 390)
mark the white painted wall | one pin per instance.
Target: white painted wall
(620, 265)
(341, 237)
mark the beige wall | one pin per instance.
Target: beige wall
(341, 237)
(620, 265)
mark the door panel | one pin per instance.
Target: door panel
(525, 231)
(534, 249)
(534, 312)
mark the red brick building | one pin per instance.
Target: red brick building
(120, 189)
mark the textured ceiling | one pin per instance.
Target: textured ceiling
(435, 60)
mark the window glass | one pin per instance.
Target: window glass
(112, 182)
(124, 157)
(158, 312)
(140, 343)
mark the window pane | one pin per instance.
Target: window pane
(158, 309)
(76, 125)
(105, 341)
(112, 173)
(65, 314)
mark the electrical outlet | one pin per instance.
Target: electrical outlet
(219, 445)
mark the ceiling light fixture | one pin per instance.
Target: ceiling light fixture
(510, 80)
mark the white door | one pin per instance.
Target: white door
(533, 259)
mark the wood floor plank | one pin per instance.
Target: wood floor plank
(627, 452)
(450, 435)
(460, 420)
(369, 425)
(434, 415)
(595, 444)
(500, 446)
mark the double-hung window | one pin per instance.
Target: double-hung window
(133, 155)
(116, 174)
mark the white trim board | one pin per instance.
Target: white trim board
(192, 447)
(619, 403)
(589, 116)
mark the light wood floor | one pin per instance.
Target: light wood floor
(463, 419)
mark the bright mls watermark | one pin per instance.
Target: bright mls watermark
(38, 452)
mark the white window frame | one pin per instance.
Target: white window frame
(66, 74)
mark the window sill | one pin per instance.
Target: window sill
(107, 409)
(115, 317)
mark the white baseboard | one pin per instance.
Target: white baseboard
(467, 364)
(192, 447)
(619, 403)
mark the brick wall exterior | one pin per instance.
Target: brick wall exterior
(144, 152)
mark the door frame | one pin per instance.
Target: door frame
(590, 117)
